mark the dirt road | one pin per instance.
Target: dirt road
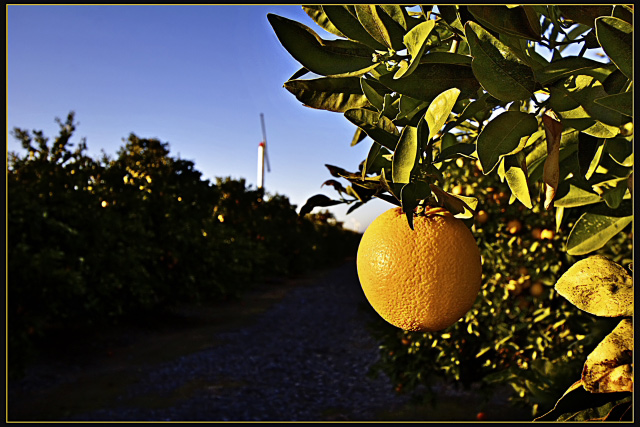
(294, 350)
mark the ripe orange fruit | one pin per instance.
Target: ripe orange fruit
(547, 234)
(514, 226)
(423, 279)
(536, 289)
(482, 217)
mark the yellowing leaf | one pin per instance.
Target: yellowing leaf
(598, 286)
(609, 368)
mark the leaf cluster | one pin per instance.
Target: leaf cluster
(513, 89)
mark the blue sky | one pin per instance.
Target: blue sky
(196, 77)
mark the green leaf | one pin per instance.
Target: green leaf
(598, 286)
(521, 21)
(380, 129)
(375, 160)
(405, 155)
(592, 231)
(410, 195)
(585, 14)
(589, 153)
(358, 136)
(460, 206)
(409, 107)
(416, 41)
(398, 14)
(620, 150)
(349, 25)
(316, 13)
(609, 367)
(380, 26)
(332, 94)
(569, 66)
(616, 38)
(502, 136)
(461, 149)
(374, 92)
(613, 191)
(319, 200)
(497, 68)
(439, 110)
(517, 178)
(620, 102)
(577, 404)
(575, 197)
(324, 57)
(445, 58)
(574, 100)
(429, 80)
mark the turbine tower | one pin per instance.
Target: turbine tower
(262, 154)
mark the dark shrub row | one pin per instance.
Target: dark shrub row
(91, 241)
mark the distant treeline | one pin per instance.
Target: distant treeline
(96, 240)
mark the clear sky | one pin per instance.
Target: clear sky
(196, 77)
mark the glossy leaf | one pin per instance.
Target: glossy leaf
(577, 404)
(358, 136)
(349, 25)
(445, 58)
(409, 108)
(590, 151)
(616, 38)
(374, 159)
(569, 66)
(609, 367)
(497, 68)
(521, 21)
(380, 129)
(460, 206)
(439, 110)
(613, 191)
(620, 102)
(575, 197)
(461, 149)
(411, 195)
(416, 41)
(380, 26)
(503, 136)
(620, 150)
(574, 100)
(405, 155)
(374, 92)
(324, 57)
(430, 79)
(318, 15)
(516, 177)
(592, 231)
(598, 286)
(332, 94)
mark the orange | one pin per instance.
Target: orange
(424, 279)
(536, 289)
(514, 226)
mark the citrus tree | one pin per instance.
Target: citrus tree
(92, 242)
(515, 92)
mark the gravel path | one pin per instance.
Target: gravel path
(304, 359)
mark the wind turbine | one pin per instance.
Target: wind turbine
(262, 154)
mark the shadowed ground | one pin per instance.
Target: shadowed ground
(291, 350)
